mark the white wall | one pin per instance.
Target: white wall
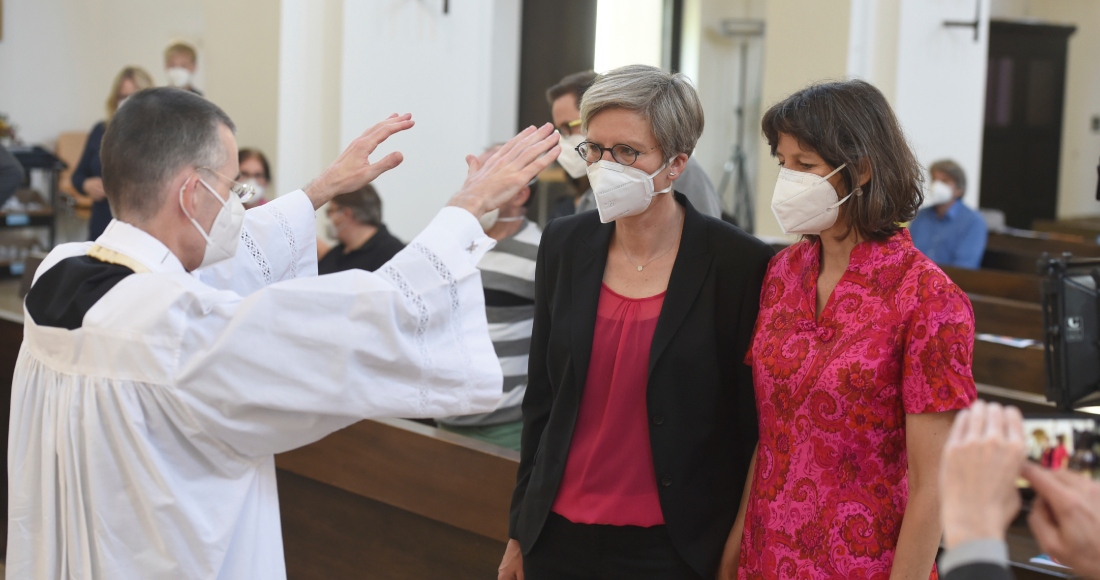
(310, 56)
(940, 90)
(458, 74)
(628, 32)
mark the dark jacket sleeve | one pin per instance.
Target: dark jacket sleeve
(980, 571)
(539, 396)
(89, 160)
(11, 174)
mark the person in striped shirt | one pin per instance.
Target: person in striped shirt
(508, 275)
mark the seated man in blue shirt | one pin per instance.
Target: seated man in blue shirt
(947, 231)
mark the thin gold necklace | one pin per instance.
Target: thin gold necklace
(674, 244)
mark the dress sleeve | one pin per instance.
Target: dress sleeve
(278, 242)
(937, 372)
(86, 167)
(299, 359)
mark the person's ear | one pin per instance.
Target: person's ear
(865, 172)
(188, 196)
(676, 167)
(521, 198)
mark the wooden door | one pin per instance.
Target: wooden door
(1025, 92)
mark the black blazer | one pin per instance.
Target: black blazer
(700, 394)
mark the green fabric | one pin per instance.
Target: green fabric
(504, 434)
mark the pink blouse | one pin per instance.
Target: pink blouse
(830, 485)
(609, 476)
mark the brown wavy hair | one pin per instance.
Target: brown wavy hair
(851, 122)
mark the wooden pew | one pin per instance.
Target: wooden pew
(395, 499)
(1086, 227)
(1020, 253)
(1011, 285)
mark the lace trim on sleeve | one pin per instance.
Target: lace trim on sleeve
(257, 255)
(398, 280)
(288, 233)
(456, 321)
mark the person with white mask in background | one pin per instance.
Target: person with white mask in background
(565, 101)
(180, 62)
(508, 275)
(164, 365)
(945, 229)
(862, 354)
(255, 173)
(639, 416)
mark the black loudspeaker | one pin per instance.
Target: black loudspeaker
(1071, 321)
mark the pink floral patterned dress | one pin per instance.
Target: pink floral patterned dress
(830, 485)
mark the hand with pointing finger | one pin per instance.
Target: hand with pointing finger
(1065, 518)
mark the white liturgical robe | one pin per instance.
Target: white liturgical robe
(142, 441)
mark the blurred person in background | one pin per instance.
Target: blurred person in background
(255, 171)
(364, 242)
(945, 230)
(11, 174)
(508, 275)
(180, 62)
(565, 109)
(88, 175)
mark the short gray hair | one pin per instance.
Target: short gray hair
(952, 170)
(157, 133)
(668, 101)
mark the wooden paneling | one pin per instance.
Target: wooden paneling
(331, 533)
(1007, 317)
(446, 477)
(1020, 369)
(1012, 285)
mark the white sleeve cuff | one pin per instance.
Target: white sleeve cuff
(987, 551)
(456, 235)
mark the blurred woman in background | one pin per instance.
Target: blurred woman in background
(255, 171)
(88, 175)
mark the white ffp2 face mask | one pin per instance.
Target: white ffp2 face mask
(178, 76)
(569, 160)
(939, 194)
(805, 203)
(225, 232)
(622, 191)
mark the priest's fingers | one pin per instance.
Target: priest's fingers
(505, 152)
(383, 165)
(976, 426)
(536, 152)
(472, 165)
(383, 131)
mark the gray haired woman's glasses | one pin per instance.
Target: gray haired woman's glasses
(624, 154)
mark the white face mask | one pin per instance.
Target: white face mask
(569, 160)
(178, 76)
(939, 194)
(622, 191)
(259, 191)
(805, 203)
(492, 218)
(225, 232)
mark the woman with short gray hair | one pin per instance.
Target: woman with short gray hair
(639, 417)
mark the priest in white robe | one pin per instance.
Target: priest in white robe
(164, 364)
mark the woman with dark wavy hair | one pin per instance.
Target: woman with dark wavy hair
(861, 355)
